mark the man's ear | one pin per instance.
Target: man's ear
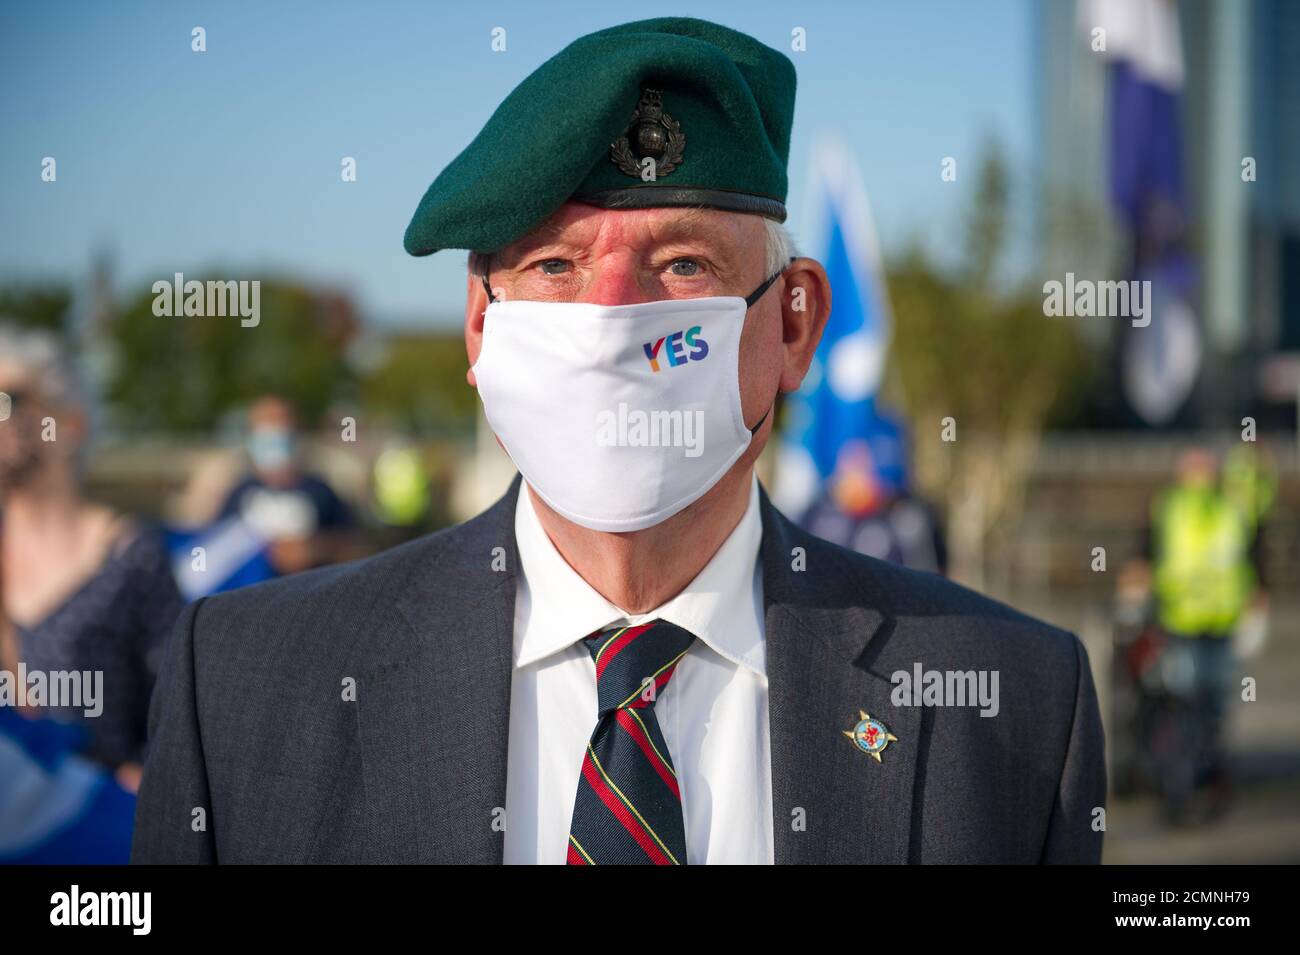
(805, 306)
(476, 303)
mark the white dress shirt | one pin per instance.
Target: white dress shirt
(713, 713)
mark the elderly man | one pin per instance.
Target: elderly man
(632, 657)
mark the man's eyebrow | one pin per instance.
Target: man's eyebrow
(545, 236)
(693, 225)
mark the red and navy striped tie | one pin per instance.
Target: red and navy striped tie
(629, 808)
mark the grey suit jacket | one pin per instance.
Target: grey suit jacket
(259, 753)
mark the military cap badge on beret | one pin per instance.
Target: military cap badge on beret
(667, 112)
(657, 136)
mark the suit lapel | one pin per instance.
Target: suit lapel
(434, 706)
(823, 647)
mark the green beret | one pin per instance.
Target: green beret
(667, 112)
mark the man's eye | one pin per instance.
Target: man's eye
(553, 266)
(685, 267)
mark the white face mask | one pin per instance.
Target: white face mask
(619, 416)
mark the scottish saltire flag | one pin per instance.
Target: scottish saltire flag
(1160, 362)
(832, 421)
(57, 808)
(233, 555)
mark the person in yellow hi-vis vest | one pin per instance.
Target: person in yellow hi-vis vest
(1203, 581)
(1203, 576)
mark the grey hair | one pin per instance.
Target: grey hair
(779, 248)
(479, 264)
(39, 359)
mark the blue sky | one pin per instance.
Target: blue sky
(228, 161)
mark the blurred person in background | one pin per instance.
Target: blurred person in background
(303, 520)
(1201, 572)
(865, 505)
(1250, 481)
(56, 806)
(84, 588)
(399, 491)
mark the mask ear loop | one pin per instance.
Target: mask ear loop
(750, 301)
(755, 295)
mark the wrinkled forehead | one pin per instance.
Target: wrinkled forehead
(576, 226)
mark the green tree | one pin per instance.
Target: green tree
(36, 306)
(973, 349)
(182, 374)
(419, 385)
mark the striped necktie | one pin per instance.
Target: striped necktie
(629, 809)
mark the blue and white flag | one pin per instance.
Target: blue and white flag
(1159, 362)
(832, 421)
(56, 807)
(222, 556)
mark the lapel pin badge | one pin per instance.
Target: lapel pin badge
(871, 736)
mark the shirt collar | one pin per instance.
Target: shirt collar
(722, 606)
